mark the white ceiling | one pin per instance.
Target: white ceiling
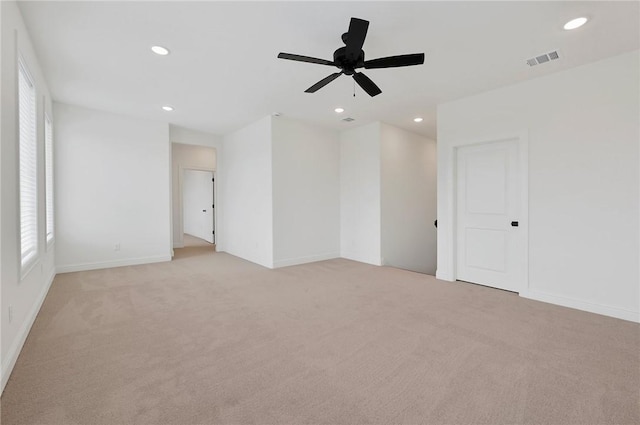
(223, 74)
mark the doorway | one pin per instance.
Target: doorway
(491, 217)
(198, 207)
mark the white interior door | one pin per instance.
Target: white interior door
(490, 238)
(197, 204)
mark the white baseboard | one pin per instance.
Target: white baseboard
(360, 259)
(618, 313)
(21, 337)
(178, 245)
(109, 264)
(444, 276)
(304, 260)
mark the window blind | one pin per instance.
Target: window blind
(48, 161)
(28, 153)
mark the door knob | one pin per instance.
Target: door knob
(514, 224)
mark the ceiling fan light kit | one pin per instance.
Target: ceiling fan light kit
(351, 57)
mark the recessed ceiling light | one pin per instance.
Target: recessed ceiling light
(417, 119)
(159, 50)
(167, 108)
(339, 110)
(575, 23)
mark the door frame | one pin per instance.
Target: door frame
(181, 171)
(522, 140)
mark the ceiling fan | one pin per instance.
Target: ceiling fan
(351, 57)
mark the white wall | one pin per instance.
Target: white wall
(187, 157)
(306, 193)
(188, 136)
(197, 196)
(1, 203)
(24, 295)
(360, 194)
(246, 187)
(583, 130)
(408, 200)
(112, 185)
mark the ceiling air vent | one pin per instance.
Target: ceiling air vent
(551, 56)
(348, 119)
(542, 59)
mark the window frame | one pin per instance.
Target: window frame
(49, 189)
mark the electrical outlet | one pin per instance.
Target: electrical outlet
(117, 247)
(10, 313)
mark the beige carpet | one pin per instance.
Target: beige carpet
(210, 338)
(191, 241)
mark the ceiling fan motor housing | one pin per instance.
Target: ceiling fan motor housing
(347, 64)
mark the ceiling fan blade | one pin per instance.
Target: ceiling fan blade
(366, 84)
(355, 37)
(395, 61)
(300, 58)
(320, 84)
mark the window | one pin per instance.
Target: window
(28, 153)
(48, 164)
